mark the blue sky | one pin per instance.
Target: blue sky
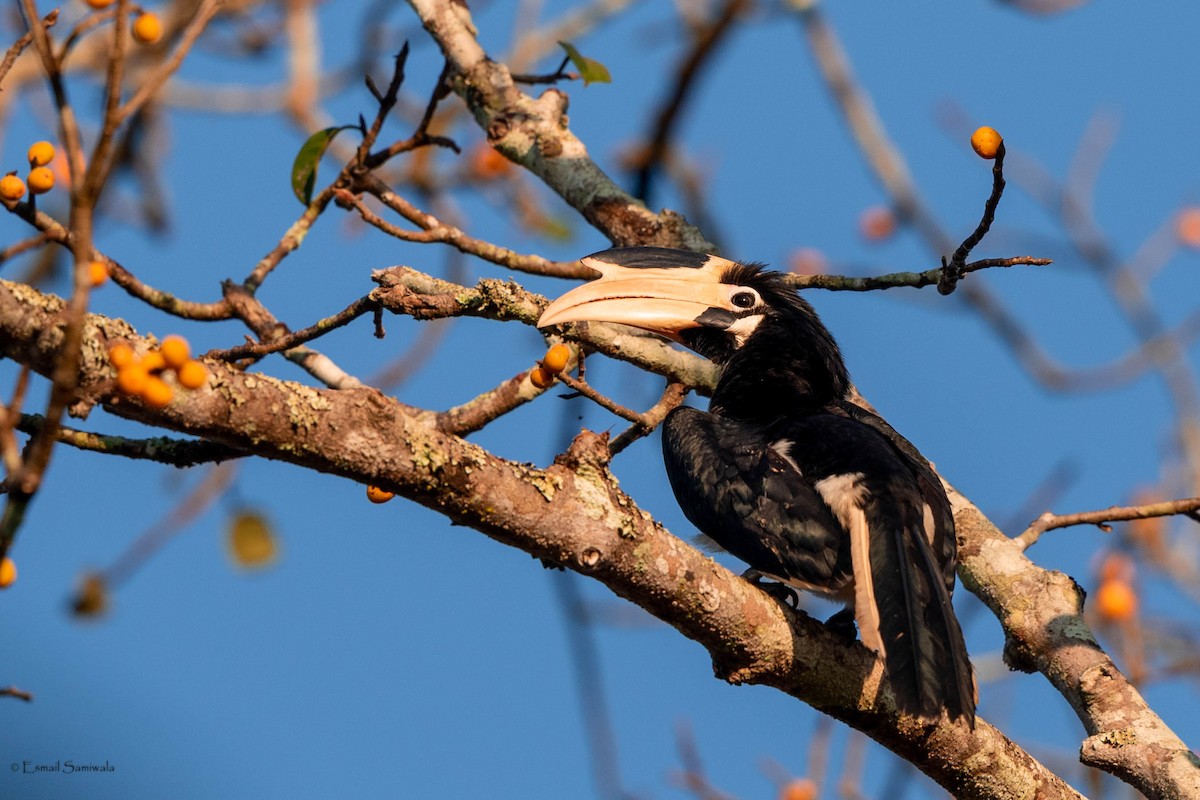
(388, 654)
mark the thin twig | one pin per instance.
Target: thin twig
(672, 397)
(686, 77)
(434, 229)
(54, 231)
(930, 277)
(291, 239)
(14, 52)
(287, 341)
(19, 694)
(1048, 521)
(954, 270)
(585, 389)
(162, 449)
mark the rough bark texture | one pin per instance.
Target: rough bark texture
(1042, 614)
(534, 132)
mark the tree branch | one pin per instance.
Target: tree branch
(534, 132)
(1049, 521)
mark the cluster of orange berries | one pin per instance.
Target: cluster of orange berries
(40, 177)
(554, 362)
(143, 377)
(147, 27)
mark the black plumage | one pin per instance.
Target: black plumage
(787, 474)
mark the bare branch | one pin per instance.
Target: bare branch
(287, 341)
(18, 47)
(917, 280)
(163, 449)
(953, 271)
(433, 229)
(1101, 518)
(19, 694)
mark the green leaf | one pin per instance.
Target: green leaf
(591, 71)
(304, 168)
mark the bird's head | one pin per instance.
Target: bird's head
(775, 351)
(704, 302)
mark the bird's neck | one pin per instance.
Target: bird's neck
(785, 368)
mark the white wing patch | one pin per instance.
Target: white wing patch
(844, 494)
(783, 448)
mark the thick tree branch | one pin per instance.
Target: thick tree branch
(534, 133)
(1042, 614)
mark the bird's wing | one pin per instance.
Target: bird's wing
(869, 482)
(940, 530)
(752, 500)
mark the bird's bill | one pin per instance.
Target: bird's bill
(666, 301)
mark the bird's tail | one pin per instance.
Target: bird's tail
(903, 611)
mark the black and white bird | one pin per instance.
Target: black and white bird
(785, 472)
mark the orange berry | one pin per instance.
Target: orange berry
(97, 273)
(541, 377)
(192, 375)
(99, 4)
(377, 495)
(40, 154)
(120, 355)
(986, 142)
(12, 187)
(147, 28)
(877, 223)
(1187, 226)
(132, 378)
(1116, 601)
(808, 261)
(157, 393)
(556, 358)
(487, 163)
(8, 573)
(153, 361)
(41, 180)
(176, 351)
(798, 789)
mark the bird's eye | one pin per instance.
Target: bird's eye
(745, 298)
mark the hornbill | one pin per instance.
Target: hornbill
(785, 472)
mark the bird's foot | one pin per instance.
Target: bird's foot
(780, 591)
(842, 623)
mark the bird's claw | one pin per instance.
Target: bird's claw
(842, 623)
(780, 591)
